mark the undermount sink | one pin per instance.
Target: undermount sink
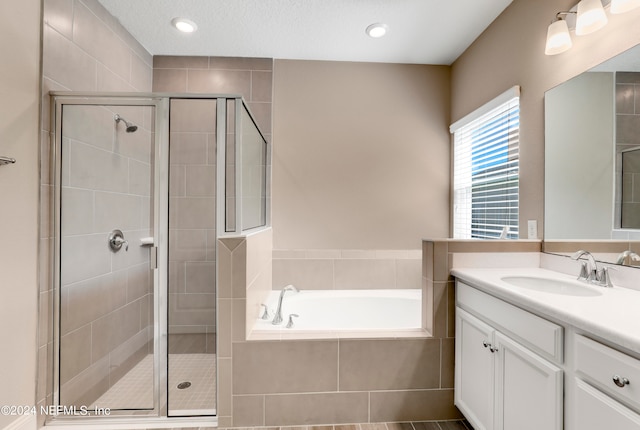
(551, 286)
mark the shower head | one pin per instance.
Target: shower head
(130, 126)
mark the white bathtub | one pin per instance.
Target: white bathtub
(344, 313)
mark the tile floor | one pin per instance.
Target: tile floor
(421, 425)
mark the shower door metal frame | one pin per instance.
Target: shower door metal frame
(160, 233)
(161, 101)
(222, 201)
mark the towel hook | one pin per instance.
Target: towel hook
(6, 160)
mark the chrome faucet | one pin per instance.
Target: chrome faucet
(278, 318)
(589, 272)
(623, 255)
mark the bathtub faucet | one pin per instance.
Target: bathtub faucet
(278, 318)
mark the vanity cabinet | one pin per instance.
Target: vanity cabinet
(474, 370)
(505, 376)
(607, 387)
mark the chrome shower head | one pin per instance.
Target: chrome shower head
(130, 126)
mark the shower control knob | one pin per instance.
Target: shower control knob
(116, 240)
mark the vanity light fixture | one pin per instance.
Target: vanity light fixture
(622, 6)
(558, 37)
(184, 25)
(591, 17)
(377, 30)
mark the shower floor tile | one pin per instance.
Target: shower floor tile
(135, 389)
(200, 371)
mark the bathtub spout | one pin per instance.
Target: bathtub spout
(278, 318)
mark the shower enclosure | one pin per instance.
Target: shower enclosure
(145, 184)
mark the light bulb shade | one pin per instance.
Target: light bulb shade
(622, 6)
(558, 38)
(591, 17)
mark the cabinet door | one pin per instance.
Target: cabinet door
(528, 389)
(474, 377)
(595, 411)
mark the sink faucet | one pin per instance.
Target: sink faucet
(623, 255)
(589, 272)
(278, 318)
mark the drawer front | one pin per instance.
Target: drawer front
(603, 366)
(597, 411)
(536, 333)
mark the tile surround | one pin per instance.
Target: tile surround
(440, 256)
(192, 220)
(405, 372)
(249, 77)
(340, 269)
(75, 34)
(105, 298)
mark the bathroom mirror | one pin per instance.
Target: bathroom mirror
(592, 160)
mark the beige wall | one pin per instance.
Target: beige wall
(360, 155)
(19, 135)
(511, 52)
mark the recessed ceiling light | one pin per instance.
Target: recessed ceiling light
(184, 25)
(377, 30)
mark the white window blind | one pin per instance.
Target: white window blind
(486, 170)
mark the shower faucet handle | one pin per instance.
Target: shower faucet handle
(116, 240)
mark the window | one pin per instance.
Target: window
(486, 170)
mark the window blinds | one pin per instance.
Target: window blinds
(486, 171)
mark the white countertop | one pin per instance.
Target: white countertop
(613, 316)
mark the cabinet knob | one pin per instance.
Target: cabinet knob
(620, 381)
(488, 345)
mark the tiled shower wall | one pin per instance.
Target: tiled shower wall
(192, 223)
(84, 49)
(192, 158)
(106, 297)
(249, 77)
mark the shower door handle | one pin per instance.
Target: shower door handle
(116, 240)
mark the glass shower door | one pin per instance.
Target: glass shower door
(106, 267)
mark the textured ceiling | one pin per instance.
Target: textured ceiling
(420, 31)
